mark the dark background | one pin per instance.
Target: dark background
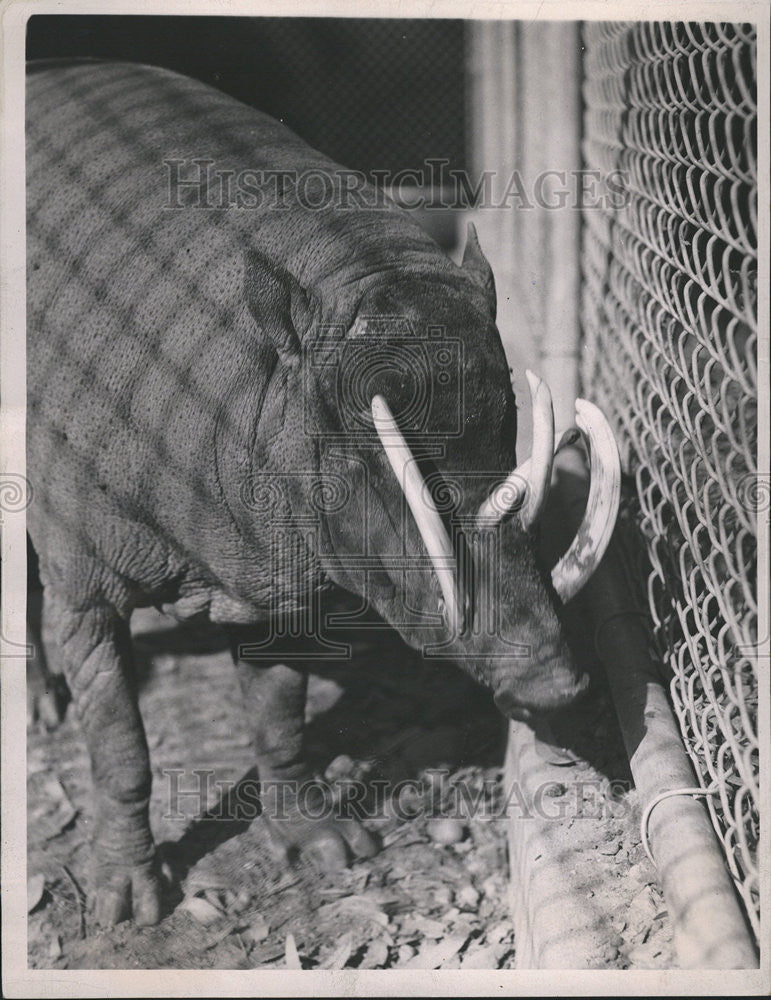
(380, 94)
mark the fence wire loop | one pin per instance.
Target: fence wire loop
(670, 793)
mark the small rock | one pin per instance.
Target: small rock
(493, 887)
(483, 958)
(342, 766)
(201, 910)
(477, 864)
(467, 898)
(258, 930)
(405, 953)
(203, 879)
(35, 888)
(375, 956)
(446, 831)
(610, 850)
(428, 928)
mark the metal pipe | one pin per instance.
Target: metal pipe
(710, 930)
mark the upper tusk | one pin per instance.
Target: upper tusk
(528, 485)
(589, 545)
(430, 524)
(542, 454)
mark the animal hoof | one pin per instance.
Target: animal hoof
(328, 845)
(113, 904)
(333, 847)
(327, 852)
(46, 703)
(360, 841)
(145, 898)
(136, 894)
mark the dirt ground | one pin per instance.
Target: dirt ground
(435, 896)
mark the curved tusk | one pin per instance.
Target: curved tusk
(507, 496)
(430, 524)
(542, 454)
(567, 439)
(588, 547)
(531, 480)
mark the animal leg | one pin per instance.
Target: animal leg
(95, 648)
(274, 697)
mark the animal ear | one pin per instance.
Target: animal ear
(281, 308)
(476, 264)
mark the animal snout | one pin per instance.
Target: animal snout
(551, 683)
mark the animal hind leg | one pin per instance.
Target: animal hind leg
(95, 648)
(274, 698)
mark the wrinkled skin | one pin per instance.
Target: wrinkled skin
(179, 416)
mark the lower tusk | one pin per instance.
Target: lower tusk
(430, 524)
(588, 547)
(542, 454)
(489, 513)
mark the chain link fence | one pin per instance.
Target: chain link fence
(669, 317)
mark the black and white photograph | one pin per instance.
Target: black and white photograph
(385, 499)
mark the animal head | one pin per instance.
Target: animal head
(411, 402)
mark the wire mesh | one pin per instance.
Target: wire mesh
(669, 316)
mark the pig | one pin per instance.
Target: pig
(253, 385)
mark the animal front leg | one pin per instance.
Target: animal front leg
(47, 694)
(95, 647)
(293, 807)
